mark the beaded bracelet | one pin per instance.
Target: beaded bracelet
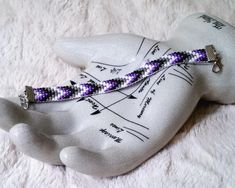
(62, 93)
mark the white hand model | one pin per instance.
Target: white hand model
(110, 134)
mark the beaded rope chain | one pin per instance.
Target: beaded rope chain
(62, 93)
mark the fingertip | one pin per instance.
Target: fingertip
(83, 161)
(66, 154)
(19, 130)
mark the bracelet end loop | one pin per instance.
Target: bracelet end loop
(213, 56)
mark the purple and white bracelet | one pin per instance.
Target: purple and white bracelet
(62, 93)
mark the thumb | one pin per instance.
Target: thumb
(115, 49)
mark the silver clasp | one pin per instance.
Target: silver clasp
(213, 56)
(26, 97)
(24, 102)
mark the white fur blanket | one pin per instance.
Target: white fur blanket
(200, 155)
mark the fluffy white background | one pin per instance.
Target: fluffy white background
(200, 155)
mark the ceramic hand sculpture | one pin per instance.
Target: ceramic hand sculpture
(111, 134)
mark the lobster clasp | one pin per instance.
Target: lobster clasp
(26, 97)
(24, 102)
(213, 56)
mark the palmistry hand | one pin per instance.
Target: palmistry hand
(110, 134)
